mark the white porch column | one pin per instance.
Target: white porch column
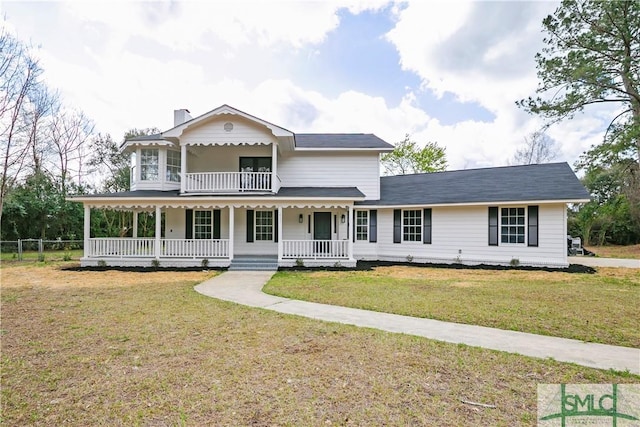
(350, 231)
(87, 231)
(158, 231)
(280, 243)
(135, 224)
(183, 168)
(231, 230)
(274, 167)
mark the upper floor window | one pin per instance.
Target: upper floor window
(412, 225)
(512, 225)
(173, 166)
(149, 164)
(362, 225)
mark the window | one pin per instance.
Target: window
(362, 225)
(264, 225)
(149, 164)
(255, 164)
(412, 226)
(512, 225)
(173, 166)
(202, 225)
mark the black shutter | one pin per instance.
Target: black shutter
(249, 225)
(426, 226)
(373, 225)
(533, 226)
(188, 224)
(493, 226)
(275, 225)
(216, 223)
(397, 226)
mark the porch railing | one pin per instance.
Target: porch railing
(195, 248)
(120, 247)
(145, 247)
(207, 182)
(315, 249)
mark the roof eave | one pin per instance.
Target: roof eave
(491, 203)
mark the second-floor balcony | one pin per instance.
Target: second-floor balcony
(229, 182)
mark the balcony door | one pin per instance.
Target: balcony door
(260, 181)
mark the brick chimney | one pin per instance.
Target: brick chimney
(181, 116)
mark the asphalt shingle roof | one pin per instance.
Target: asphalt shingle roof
(350, 192)
(285, 192)
(553, 181)
(340, 140)
(155, 136)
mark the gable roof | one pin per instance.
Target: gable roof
(544, 182)
(277, 131)
(341, 141)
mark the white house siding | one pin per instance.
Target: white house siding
(460, 234)
(240, 244)
(175, 226)
(317, 169)
(294, 230)
(223, 158)
(244, 132)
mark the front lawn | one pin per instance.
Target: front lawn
(615, 251)
(116, 348)
(601, 307)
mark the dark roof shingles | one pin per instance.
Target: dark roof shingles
(342, 192)
(554, 181)
(340, 140)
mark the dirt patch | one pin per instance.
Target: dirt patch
(74, 276)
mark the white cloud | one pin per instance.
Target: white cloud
(130, 64)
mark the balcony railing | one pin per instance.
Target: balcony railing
(314, 249)
(145, 247)
(228, 182)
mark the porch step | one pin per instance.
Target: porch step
(254, 263)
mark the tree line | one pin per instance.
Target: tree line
(591, 58)
(48, 152)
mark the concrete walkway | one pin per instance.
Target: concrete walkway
(245, 287)
(591, 261)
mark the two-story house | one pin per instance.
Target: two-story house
(236, 190)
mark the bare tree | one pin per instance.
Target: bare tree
(538, 148)
(19, 73)
(69, 135)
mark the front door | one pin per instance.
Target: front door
(322, 231)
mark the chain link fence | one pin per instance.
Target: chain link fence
(34, 250)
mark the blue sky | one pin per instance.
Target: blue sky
(441, 71)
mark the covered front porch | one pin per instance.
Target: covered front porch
(213, 234)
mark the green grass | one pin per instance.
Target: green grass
(89, 348)
(615, 251)
(51, 255)
(601, 307)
